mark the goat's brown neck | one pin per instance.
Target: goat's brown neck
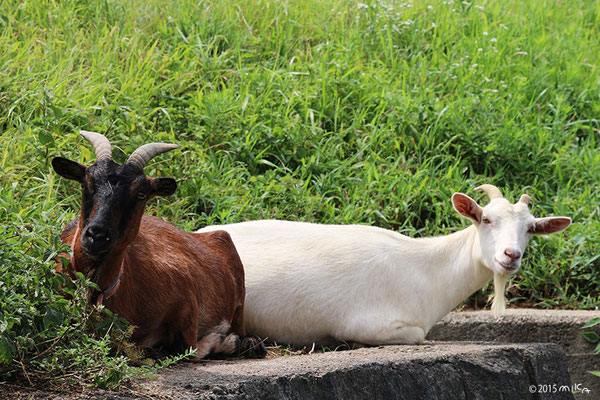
(105, 272)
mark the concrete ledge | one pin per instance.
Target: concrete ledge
(562, 327)
(435, 370)
(431, 371)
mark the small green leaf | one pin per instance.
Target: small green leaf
(593, 322)
(52, 317)
(57, 111)
(3, 326)
(7, 350)
(45, 138)
(591, 337)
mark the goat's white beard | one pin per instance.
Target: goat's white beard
(499, 302)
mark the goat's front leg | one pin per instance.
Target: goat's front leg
(214, 342)
(217, 343)
(377, 331)
(249, 346)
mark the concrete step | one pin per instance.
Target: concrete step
(431, 371)
(457, 369)
(562, 327)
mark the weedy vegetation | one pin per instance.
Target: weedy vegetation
(333, 111)
(593, 338)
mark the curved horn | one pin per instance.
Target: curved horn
(491, 190)
(100, 142)
(525, 199)
(145, 153)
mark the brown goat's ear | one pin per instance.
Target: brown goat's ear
(545, 226)
(467, 207)
(68, 169)
(163, 186)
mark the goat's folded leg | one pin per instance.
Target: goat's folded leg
(217, 343)
(377, 331)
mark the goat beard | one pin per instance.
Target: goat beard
(499, 302)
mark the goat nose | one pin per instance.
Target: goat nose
(512, 254)
(98, 233)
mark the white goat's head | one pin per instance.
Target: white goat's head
(504, 230)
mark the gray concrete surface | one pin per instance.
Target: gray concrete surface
(562, 327)
(436, 371)
(431, 371)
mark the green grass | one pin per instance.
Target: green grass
(329, 111)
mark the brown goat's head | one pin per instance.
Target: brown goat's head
(114, 196)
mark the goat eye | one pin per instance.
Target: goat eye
(142, 195)
(486, 220)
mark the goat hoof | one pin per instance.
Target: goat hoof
(252, 347)
(238, 344)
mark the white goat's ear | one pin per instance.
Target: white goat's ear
(467, 207)
(545, 226)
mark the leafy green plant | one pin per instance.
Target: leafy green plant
(593, 337)
(46, 337)
(38, 326)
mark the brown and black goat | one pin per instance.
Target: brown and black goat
(179, 290)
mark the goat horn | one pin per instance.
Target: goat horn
(491, 190)
(100, 142)
(145, 153)
(525, 199)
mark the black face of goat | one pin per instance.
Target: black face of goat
(113, 200)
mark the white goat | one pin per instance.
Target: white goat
(309, 283)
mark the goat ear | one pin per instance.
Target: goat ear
(163, 186)
(545, 226)
(68, 169)
(467, 207)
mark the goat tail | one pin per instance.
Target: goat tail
(499, 302)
